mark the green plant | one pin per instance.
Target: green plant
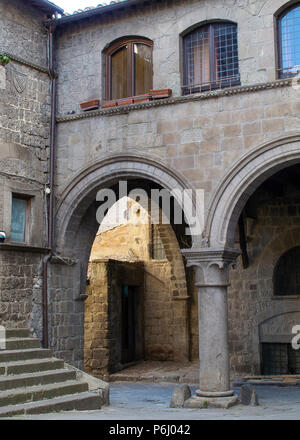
(4, 59)
(205, 404)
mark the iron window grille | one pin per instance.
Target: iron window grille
(278, 358)
(210, 56)
(289, 42)
(287, 273)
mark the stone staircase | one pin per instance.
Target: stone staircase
(34, 382)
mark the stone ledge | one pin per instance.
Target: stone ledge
(23, 248)
(176, 100)
(34, 66)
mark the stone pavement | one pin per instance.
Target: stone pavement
(156, 371)
(150, 401)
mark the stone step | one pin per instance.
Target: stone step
(80, 402)
(34, 382)
(23, 355)
(41, 392)
(22, 343)
(30, 366)
(17, 333)
(31, 379)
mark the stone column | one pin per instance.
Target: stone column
(212, 279)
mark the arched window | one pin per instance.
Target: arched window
(287, 273)
(210, 57)
(289, 42)
(129, 68)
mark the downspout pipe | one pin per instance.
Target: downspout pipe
(52, 76)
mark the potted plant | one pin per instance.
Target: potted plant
(4, 59)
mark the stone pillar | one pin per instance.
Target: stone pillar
(212, 279)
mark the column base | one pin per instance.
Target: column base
(213, 394)
(211, 402)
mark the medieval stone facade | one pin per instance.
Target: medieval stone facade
(24, 153)
(232, 142)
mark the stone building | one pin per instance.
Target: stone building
(134, 254)
(191, 94)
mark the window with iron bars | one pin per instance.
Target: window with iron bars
(210, 56)
(289, 42)
(279, 359)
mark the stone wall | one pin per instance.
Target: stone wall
(24, 141)
(103, 315)
(251, 299)
(167, 330)
(20, 290)
(199, 138)
(162, 22)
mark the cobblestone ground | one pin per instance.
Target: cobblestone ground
(150, 401)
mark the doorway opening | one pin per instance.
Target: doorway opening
(129, 323)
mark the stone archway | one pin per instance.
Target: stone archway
(102, 175)
(76, 227)
(240, 183)
(217, 254)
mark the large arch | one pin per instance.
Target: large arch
(77, 195)
(241, 182)
(76, 227)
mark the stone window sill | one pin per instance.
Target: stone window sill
(22, 248)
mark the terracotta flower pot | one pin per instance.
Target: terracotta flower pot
(108, 104)
(160, 93)
(90, 105)
(141, 98)
(124, 101)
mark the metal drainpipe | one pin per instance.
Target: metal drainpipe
(52, 76)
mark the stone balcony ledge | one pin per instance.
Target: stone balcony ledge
(176, 100)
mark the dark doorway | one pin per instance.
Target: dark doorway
(129, 312)
(280, 359)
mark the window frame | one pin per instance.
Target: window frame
(114, 47)
(279, 52)
(27, 198)
(213, 82)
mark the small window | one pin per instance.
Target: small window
(287, 273)
(19, 218)
(129, 68)
(211, 58)
(289, 42)
(158, 249)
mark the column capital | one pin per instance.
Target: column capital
(203, 256)
(212, 264)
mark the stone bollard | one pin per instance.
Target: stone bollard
(249, 396)
(180, 395)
